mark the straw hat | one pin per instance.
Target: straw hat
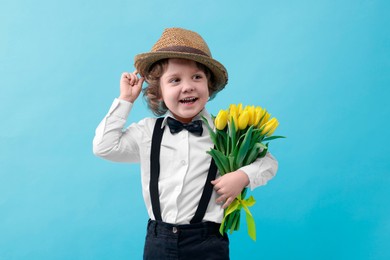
(181, 43)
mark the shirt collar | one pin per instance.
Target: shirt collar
(203, 113)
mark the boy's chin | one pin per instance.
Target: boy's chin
(186, 117)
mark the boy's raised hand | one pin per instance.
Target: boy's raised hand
(229, 186)
(130, 86)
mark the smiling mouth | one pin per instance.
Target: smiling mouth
(188, 100)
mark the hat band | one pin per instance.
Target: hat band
(183, 49)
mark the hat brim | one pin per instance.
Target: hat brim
(143, 62)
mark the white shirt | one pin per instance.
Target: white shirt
(184, 162)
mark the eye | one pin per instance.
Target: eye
(197, 76)
(174, 80)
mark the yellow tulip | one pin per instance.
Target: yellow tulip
(270, 127)
(239, 108)
(221, 120)
(233, 109)
(259, 112)
(243, 120)
(265, 118)
(251, 113)
(233, 117)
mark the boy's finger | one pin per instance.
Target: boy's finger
(125, 75)
(214, 182)
(220, 199)
(140, 81)
(136, 72)
(227, 203)
(132, 80)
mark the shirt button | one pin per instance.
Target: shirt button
(174, 230)
(183, 162)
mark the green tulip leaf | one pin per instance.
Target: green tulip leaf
(232, 163)
(221, 161)
(222, 144)
(242, 152)
(243, 193)
(233, 134)
(211, 131)
(236, 221)
(264, 152)
(273, 138)
(253, 154)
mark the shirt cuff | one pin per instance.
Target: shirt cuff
(120, 108)
(260, 171)
(251, 170)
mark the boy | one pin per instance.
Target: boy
(184, 202)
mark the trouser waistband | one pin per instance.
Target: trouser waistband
(203, 229)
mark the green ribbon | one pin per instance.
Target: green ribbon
(236, 205)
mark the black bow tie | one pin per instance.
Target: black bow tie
(194, 127)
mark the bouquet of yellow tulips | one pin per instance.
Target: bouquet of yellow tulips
(239, 137)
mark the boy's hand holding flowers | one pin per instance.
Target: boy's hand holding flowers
(229, 186)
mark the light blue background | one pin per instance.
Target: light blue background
(320, 67)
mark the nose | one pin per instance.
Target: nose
(188, 87)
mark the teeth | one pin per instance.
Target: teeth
(186, 100)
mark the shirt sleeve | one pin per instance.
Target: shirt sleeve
(261, 170)
(111, 141)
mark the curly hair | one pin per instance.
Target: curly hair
(152, 93)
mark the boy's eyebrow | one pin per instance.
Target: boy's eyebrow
(177, 74)
(168, 77)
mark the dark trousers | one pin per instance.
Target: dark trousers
(193, 241)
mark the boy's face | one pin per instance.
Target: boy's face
(184, 89)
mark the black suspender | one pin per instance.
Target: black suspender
(155, 172)
(206, 195)
(155, 168)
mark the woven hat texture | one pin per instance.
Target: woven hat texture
(186, 44)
